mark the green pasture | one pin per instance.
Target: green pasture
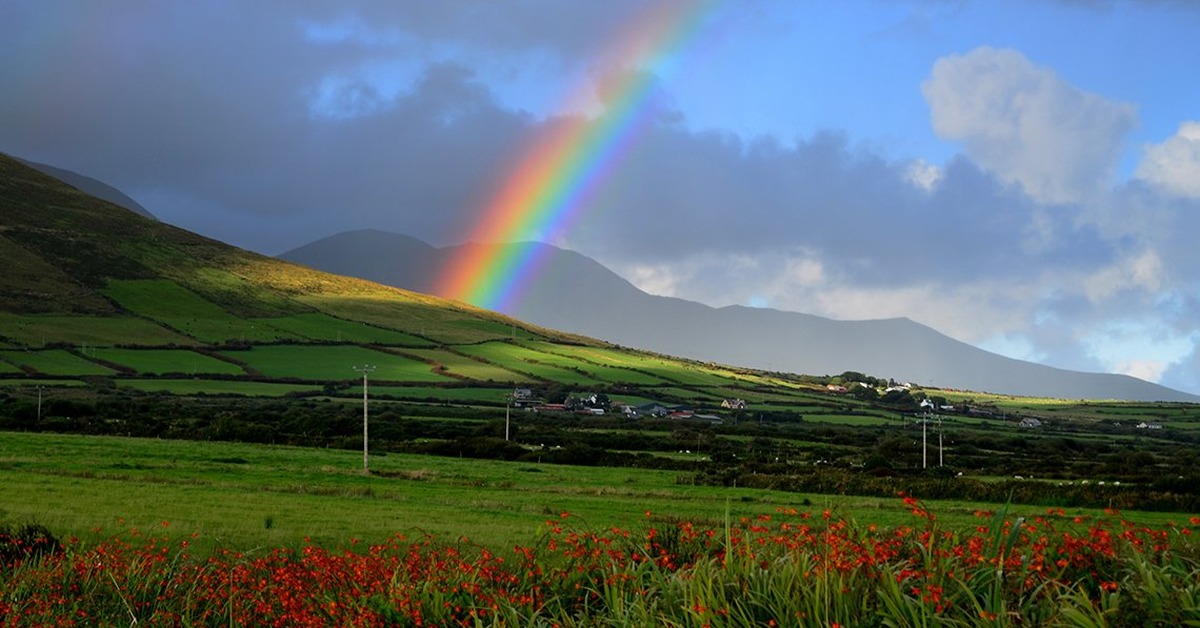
(604, 364)
(36, 331)
(530, 357)
(189, 387)
(55, 362)
(522, 360)
(849, 419)
(672, 371)
(333, 363)
(465, 366)
(161, 361)
(417, 314)
(179, 308)
(6, 368)
(689, 395)
(777, 396)
(48, 383)
(454, 395)
(325, 328)
(246, 496)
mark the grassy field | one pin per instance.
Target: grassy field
(448, 395)
(55, 362)
(322, 327)
(37, 331)
(6, 368)
(161, 361)
(533, 363)
(464, 366)
(570, 357)
(215, 387)
(179, 308)
(237, 495)
(333, 363)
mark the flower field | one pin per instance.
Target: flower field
(789, 568)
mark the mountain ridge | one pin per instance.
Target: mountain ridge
(579, 295)
(94, 187)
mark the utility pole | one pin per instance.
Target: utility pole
(507, 412)
(940, 440)
(39, 404)
(924, 448)
(365, 370)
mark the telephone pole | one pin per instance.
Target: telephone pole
(924, 448)
(365, 370)
(507, 412)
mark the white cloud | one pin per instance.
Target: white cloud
(1027, 125)
(923, 175)
(1143, 272)
(1174, 165)
(1138, 348)
(1149, 370)
(656, 279)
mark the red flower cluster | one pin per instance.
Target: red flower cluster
(573, 573)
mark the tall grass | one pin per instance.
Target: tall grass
(792, 568)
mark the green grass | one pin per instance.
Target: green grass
(322, 327)
(454, 395)
(850, 419)
(36, 331)
(660, 368)
(467, 367)
(690, 396)
(6, 368)
(55, 362)
(215, 387)
(181, 309)
(226, 492)
(523, 360)
(333, 363)
(162, 361)
(593, 361)
(48, 383)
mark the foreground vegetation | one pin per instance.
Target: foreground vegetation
(791, 568)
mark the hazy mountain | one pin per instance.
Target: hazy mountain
(577, 294)
(99, 189)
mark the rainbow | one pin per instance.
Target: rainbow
(562, 170)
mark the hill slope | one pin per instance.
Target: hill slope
(98, 296)
(71, 254)
(99, 189)
(579, 295)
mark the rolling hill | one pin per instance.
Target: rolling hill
(579, 295)
(98, 295)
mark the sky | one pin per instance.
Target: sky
(1021, 175)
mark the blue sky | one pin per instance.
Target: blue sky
(1020, 175)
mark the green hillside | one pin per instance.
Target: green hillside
(113, 323)
(96, 290)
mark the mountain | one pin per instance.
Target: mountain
(96, 188)
(579, 295)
